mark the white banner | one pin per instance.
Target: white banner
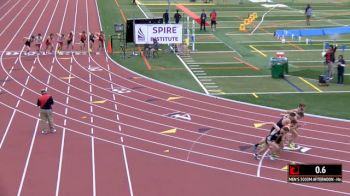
(164, 33)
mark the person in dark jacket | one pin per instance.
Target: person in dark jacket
(177, 17)
(45, 102)
(341, 69)
(308, 14)
(166, 17)
(203, 18)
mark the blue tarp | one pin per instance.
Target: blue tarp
(312, 32)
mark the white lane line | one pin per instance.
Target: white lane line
(60, 161)
(27, 160)
(260, 163)
(7, 77)
(48, 78)
(5, 4)
(91, 109)
(13, 18)
(93, 165)
(127, 171)
(7, 128)
(194, 143)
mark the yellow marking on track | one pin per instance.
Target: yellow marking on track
(258, 125)
(166, 151)
(67, 78)
(313, 86)
(170, 131)
(99, 102)
(285, 168)
(173, 98)
(252, 47)
(255, 95)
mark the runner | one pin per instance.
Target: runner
(101, 40)
(285, 120)
(82, 40)
(49, 42)
(300, 108)
(273, 140)
(38, 40)
(60, 40)
(70, 40)
(27, 42)
(92, 38)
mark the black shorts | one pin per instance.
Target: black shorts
(213, 22)
(69, 42)
(91, 40)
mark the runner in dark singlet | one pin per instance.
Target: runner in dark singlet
(70, 40)
(273, 140)
(27, 43)
(92, 38)
(82, 40)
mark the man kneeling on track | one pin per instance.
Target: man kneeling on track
(273, 140)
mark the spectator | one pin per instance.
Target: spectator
(341, 69)
(166, 17)
(330, 59)
(155, 47)
(308, 14)
(177, 17)
(203, 18)
(45, 102)
(213, 16)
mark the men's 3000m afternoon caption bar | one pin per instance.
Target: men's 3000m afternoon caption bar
(326, 173)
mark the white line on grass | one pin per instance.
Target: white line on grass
(254, 76)
(281, 93)
(212, 52)
(216, 63)
(262, 20)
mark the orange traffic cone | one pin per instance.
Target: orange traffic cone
(109, 48)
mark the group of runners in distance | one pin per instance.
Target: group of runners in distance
(283, 133)
(61, 39)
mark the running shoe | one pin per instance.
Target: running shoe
(44, 132)
(256, 156)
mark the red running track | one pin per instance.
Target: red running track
(116, 148)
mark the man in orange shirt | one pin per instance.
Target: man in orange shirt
(213, 17)
(45, 102)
